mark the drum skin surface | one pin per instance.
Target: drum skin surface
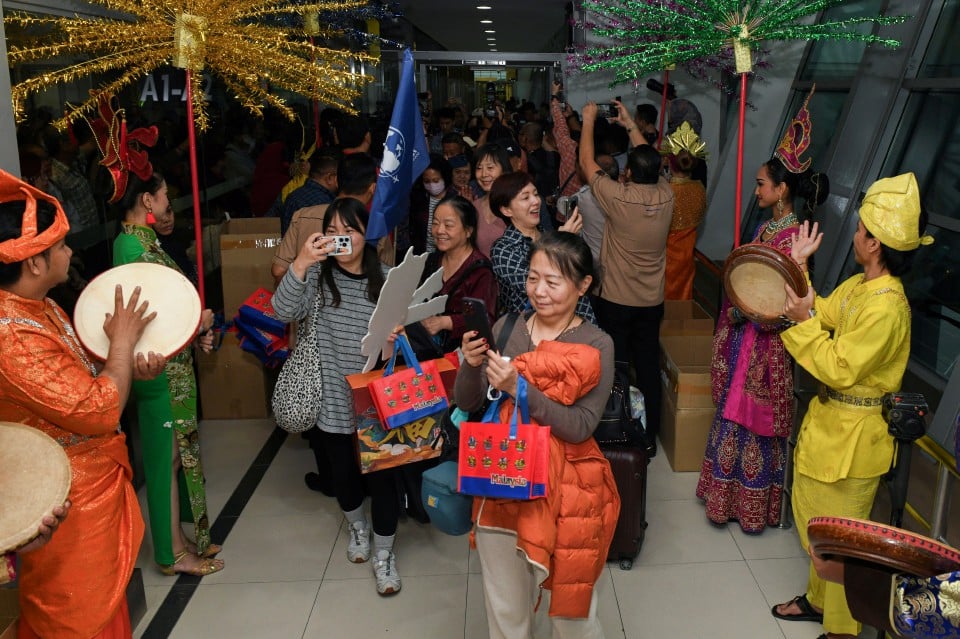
(168, 292)
(753, 278)
(890, 547)
(35, 478)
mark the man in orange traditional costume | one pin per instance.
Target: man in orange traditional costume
(74, 587)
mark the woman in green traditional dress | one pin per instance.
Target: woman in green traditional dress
(167, 409)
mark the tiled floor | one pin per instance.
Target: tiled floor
(286, 574)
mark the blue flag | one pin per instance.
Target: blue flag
(405, 157)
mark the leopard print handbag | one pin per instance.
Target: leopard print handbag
(299, 390)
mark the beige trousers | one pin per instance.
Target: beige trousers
(511, 586)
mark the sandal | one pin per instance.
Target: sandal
(207, 566)
(212, 550)
(807, 613)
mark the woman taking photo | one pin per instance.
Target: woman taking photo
(333, 299)
(568, 364)
(752, 374)
(466, 273)
(490, 162)
(167, 408)
(514, 199)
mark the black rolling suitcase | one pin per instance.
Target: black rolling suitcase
(629, 465)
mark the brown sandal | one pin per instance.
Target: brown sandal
(207, 566)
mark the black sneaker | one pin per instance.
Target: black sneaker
(313, 482)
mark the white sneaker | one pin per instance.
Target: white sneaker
(358, 550)
(385, 569)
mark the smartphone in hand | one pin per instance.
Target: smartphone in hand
(342, 245)
(476, 319)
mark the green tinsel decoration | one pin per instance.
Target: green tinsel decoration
(652, 35)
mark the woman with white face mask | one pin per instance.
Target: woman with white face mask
(435, 184)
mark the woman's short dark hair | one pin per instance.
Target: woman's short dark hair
(135, 188)
(11, 227)
(467, 213)
(899, 262)
(354, 214)
(570, 254)
(812, 188)
(496, 154)
(504, 189)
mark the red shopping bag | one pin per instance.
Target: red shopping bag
(504, 460)
(410, 395)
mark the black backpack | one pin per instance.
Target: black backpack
(617, 425)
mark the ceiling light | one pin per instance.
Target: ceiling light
(486, 22)
(483, 7)
(490, 31)
(491, 39)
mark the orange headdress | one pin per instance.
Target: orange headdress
(121, 149)
(796, 140)
(30, 242)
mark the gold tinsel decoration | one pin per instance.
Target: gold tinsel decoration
(220, 36)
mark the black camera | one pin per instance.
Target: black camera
(657, 87)
(905, 414)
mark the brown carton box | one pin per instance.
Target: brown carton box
(247, 246)
(233, 383)
(685, 317)
(683, 434)
(685, 370)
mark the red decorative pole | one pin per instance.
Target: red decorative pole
(197, 219)
(738, 202)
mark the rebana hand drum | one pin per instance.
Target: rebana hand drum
(753, 278)
(168, 292)
(34, 479)
(890, 547)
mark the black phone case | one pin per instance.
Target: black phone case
(476, 319)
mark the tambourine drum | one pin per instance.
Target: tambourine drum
(169, 293)
(34, 479)
(893, 548)
(753, 278)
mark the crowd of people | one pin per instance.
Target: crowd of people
(573, 229)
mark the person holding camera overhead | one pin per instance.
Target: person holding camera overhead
(856, 343)
(638, 214)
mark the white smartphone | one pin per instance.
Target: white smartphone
(342, 245)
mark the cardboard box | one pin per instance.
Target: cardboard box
(685, 370)
(247, 246)
(685, 317)
(233, 383)
(683, 434)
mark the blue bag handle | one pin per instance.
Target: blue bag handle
(408, 356)
(521, 404)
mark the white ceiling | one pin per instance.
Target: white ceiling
(521, 25)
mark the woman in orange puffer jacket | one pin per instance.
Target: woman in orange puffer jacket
(559, 543)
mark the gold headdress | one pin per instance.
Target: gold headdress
(684, 139)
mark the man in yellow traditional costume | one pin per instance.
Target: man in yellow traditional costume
(75, 586)
(856, 342)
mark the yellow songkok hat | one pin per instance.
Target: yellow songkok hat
(30, 242)
(891, 212)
